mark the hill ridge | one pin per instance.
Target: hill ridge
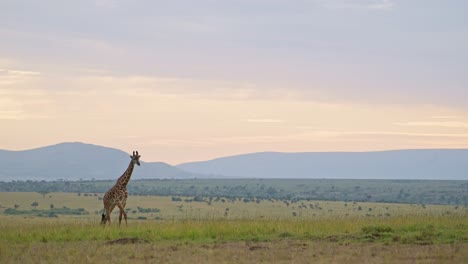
(78, 160)
(388, 164)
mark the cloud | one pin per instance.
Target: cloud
(10, 77)
(315, 136)
(358, 4)
(412, 134)
(14, 105)
(331, 133)
(444, 117)
(19, 115)
(105, 3)
(452, 124)
(264, 121)
(18, 72)
(11, 115)
(143, 86)
(17, 100)
(381, 4)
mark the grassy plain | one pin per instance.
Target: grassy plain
(390, 191)
(224, 208)
(233, 232)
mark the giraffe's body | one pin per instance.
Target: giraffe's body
(117, 195)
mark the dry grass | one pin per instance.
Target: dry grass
(279, 251)
(227, 210)
(265, 232)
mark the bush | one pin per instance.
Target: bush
(148, 210)
(372, 233)
(376, 229)
(12, 211)
(47, 213)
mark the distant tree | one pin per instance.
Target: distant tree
(176, 199)
(43, 193)
(51, 206)
(271, 191)
(35, 204)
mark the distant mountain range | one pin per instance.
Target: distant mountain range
(75, 161)
(434, 164)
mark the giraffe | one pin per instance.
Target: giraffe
(117, 195)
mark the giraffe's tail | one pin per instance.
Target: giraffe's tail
(103, 217)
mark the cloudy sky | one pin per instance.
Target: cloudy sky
(193, 80)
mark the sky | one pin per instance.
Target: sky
(183, 81)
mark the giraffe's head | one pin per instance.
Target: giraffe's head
(135, 158)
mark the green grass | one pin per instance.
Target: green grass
(322, 231)
(406, 230)
(231, 221)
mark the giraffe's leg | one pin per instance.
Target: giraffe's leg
(105, 213)
(109, 213)
(125, 213)
(120, 216)
(122, 212)
(106, 217)
(107, 208)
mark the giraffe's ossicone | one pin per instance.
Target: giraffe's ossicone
(117, 195)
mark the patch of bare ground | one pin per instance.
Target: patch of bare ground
(278, 251)
(294, 251)
(127, 240)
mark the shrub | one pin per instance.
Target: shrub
(148, 210)
(377, 229)
(372, 233)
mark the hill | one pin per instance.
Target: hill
(75, 161)
(435, 164)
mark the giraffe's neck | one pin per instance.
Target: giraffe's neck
(123, 180)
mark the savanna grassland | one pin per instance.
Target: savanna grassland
(64, 228)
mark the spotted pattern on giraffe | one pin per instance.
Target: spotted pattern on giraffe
(117, 195)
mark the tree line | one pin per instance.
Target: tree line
(392, 191)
